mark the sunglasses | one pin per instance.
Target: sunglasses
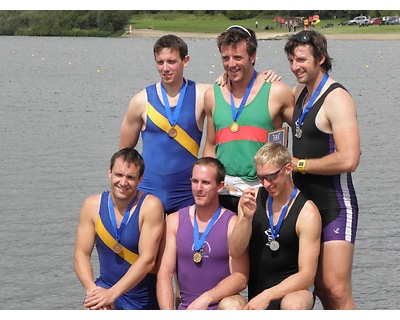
(301, 38)
(240, 28)
(270, 177)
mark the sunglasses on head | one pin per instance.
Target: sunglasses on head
(301, 38)
(240, 28)
(270, 177)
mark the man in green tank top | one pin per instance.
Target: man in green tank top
(242, 113)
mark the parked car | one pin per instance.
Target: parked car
(359, 21)
(392, 20)
(374, 21)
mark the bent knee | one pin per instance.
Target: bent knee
(301, 300)
(236, 302)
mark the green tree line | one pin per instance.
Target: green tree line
(110, 23)
(63, 22)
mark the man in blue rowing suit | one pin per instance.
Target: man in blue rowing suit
(126, 226)
(170, 116)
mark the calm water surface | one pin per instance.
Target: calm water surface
(62, 101)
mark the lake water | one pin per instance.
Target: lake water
(62, 101)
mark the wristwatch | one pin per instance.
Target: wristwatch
(301, 166)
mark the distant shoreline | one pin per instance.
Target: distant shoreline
(261, 35)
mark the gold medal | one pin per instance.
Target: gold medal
(234, 127)
(197, 257)
(117, 247)
(172, 132)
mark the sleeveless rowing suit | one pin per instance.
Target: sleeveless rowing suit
(334, 195)
(196, 278)
(268, 268)
(236, 150)
(169, 164)
(113, 267)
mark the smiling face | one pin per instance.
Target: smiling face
(303, 64)
(125, 178)
(237, 62)
(170, 66)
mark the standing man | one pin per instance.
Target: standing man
(240, 114)
(126, 226)
(326, 150)
(282, 231)
(170, 116)
(195, 246)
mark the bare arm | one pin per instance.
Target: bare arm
(85, 240)
(201, 88)
(231, 285)
(308, 228)
(167, 256)
(281, 104)
(151, 223)
(209, 105)
(337, 116)
(133, 121)
(240, 237)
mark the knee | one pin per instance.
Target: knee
(232, 303)
(299, 301)
(335, 295)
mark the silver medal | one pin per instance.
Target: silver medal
(274, 245)
(298, 133)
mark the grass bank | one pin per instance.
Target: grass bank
(215, 24)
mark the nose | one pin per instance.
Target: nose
(165, 66)
(231, 62)
(265, 182)
(199, 186)
(294, 66)
(124, 180)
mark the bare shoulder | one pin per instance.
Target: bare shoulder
(337, 103)
(209, 89)
(279, 87)
(209, 98)
(339, 93)
(152, 204)
(310, 213)
(298, 89)
(92, 201)
(232, 223)
(139, 100)
(172, 219)
(91, 206)
(203, 87)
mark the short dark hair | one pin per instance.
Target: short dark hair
(316, 41)
(129, 155)
(173, 42)
(235, 34)
(213, 162)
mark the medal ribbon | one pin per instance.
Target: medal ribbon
(299, 122)
(198, 243)
(236, 112)
(173, 119)
(109, 241)
(275, 231)
(111, 211)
